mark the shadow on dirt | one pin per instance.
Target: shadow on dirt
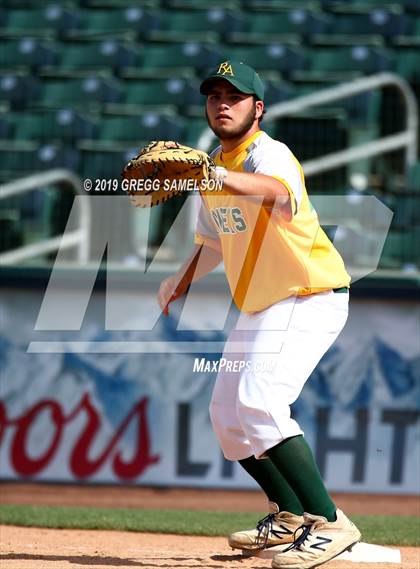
(98, 561)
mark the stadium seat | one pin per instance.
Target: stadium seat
(114, 20)
(93, 55)
(379, 21)
(401, 248)
(27, 52)
(400, 185)
(367, 6)
(406, 210)
(414, 27)
(19, 91)
(407, 63)
(274, 56)
(63, 124)
(42, 21)
(203, 25)
(364, 108)
(411, 6)
(120, 3)
(5, 127)
(15, 164)
(266, 26)
(103, 164)
(313, 134)
(30, 126)
(279, 4)
(193, 129)
(413, 179)
(277, 92)
(23, 4)
(345, 40)
(156, 91)
(361, 59)
(84, 92)
(50, 156)
(11, 234)
(23, 161)
(411, 38)
(149, 126)
(361, 109)
(173, 56)
(203, 4)
(35, 215)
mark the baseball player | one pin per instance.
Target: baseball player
(292, 290)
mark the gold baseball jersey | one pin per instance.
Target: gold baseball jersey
(269, 254)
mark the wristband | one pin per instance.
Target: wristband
(219, 174)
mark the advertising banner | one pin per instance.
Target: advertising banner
(71, 413)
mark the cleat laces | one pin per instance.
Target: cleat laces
(265, 527)
(298, 541)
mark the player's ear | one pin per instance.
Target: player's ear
(259, 109)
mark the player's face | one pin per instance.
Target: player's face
(230, 113)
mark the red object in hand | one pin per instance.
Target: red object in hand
(178, 292)
(166, 309)
(185, 283)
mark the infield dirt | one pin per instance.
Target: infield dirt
(34, 548)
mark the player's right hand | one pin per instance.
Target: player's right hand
(166, 293)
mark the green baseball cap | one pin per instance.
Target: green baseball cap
(240, 75)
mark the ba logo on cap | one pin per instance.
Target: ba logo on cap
(225, 68)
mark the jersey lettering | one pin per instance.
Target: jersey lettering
(229, 220)
(238, 218)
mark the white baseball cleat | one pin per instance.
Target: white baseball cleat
(318, 541)
(277, 528)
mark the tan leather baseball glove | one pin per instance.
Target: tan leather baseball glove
(163, 170)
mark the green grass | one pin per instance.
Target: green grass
(392, 530)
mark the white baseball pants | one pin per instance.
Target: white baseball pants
(266, 361)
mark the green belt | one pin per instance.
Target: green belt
(342, 289)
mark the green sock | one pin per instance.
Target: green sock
(273, 483)
(294, 458)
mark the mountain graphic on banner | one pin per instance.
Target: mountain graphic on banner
(372, 371)
(349, 379)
